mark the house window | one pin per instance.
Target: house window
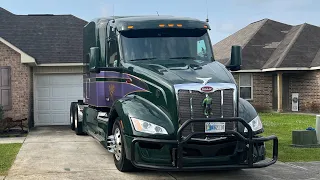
(245, 84)
(5, 87)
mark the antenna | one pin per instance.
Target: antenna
(157, 13)
(207, 20)
(113, 13)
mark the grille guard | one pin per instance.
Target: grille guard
(177, 163)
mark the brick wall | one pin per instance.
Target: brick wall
(31, 102)
(307, 84)
(20, 82)
(262, 90)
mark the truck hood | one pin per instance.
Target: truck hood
(184, 71)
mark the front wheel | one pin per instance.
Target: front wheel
(120, 160)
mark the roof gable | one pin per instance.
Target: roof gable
(262, 45)
(283, 48)
(47, 38)
(4, 12)
(304, 50)
(25, 58)
(222, 49)
(278, 45)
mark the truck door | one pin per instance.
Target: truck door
(111, 78)
(113, 85)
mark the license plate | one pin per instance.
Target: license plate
(214, 127)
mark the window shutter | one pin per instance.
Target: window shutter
(5, 88)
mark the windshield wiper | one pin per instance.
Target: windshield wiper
(142, 59)
(186, 57)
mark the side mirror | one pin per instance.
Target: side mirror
(236, 58)
(94, 58)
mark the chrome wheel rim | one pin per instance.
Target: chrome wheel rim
(117, 139)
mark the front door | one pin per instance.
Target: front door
(274, 92)
(285, 92)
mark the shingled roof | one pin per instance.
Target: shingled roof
(270, 44)
(48, 38)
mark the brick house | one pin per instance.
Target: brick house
(278, 60)
(40, 66)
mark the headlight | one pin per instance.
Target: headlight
(146, 127)
(255, 124)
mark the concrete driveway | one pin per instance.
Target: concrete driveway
(57, 153)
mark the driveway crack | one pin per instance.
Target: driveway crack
(171, 175)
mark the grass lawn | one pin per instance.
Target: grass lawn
(282, 125)
(8, 154)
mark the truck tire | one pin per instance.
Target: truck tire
(72, 109)
(77, 125)
(119, 157)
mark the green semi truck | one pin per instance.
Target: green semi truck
(155, 97)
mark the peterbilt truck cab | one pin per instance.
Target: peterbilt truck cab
(155, 97)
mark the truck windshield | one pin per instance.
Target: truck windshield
(164, 44)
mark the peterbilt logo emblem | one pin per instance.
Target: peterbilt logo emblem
(112, 89)
(205, 80)
(206, 89)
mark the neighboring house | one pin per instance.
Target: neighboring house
(40, 66)
(278, 60)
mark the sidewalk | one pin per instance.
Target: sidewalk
(9, 140)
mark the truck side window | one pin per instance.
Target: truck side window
(201, 48)
(113, 50)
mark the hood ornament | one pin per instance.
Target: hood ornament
(207, 103)
(205, 80)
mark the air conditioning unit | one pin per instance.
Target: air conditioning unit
(295, 101)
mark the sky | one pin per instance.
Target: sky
(225, 16)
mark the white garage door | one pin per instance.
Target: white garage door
(53, 95)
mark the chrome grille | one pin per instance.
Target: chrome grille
(190, 107)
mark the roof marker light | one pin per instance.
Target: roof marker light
(130, 27)
(179, 25)
(205, 26)
(170, 25)
(161, 25)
